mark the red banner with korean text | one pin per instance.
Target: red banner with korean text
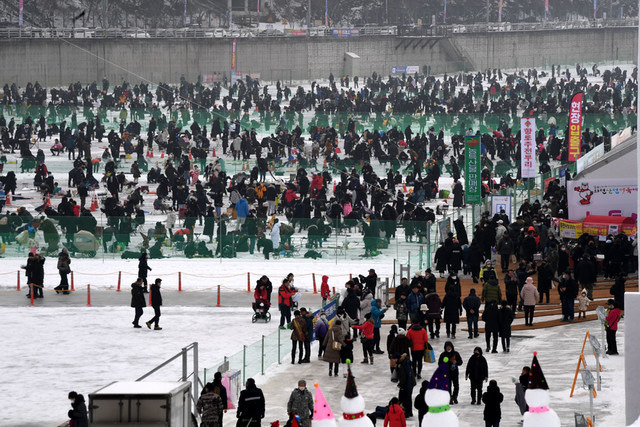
(528, 147)
(575, 126)
(233, 55)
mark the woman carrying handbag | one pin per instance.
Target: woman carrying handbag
(333, 342)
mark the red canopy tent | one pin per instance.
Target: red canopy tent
(600, 225)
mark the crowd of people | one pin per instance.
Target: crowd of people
(365, 133)
(186, 120)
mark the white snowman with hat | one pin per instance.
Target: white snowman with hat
(437, 398)
(537, 397)
(352, 405)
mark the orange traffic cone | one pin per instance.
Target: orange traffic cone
(94, 203)
(190, 156)
(8, 200)
(151, 154)
(162, 155)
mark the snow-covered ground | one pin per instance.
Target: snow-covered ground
(49, 351)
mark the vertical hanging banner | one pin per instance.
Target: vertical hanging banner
(500, 11)
(595, 8)
(546, 10)
(106, 13)
(444, 16)
(472, 179)
(20, 8)
(326, 13)
(528, 147)
(575, 126)
(233, 55)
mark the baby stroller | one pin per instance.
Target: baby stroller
(261, 311)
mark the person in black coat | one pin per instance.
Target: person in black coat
(458, 194)
(586, 275)
(250, 405)
(452, 310)
(505, 318)
(491, 325)
(492, 399)
(218, 388)
(78, 412)
(441, 259)
(454, 361)
(618, 290)
(351, 305)
(471, 304)
(156, 303)
(568, 290)
(137, 301)
(370, 281)
(477, 372)
(545, 276)
(461, 232)
(143, 268)
(419, 402)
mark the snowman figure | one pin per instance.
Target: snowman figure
(537, 397)
(322, 413)
(585, 193)
(437, 398)
(352, 405)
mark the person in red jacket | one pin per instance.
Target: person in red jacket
(284, 302)
(367, 338)
(395, 415)
(325, 293)
(612, 327)
(419, 339)
(261, 295)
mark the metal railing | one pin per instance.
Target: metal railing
(499, 27)
(199, 33)
(321, 31)
(186, 375)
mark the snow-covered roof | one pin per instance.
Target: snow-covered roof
(142, 387)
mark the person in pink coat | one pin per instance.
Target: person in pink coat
(529, 295)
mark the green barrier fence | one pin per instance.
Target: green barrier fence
(227, 237)
(268, 122)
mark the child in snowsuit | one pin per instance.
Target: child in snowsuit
(325, 292)
(583, 304)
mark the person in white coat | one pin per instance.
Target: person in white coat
(275, 234)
